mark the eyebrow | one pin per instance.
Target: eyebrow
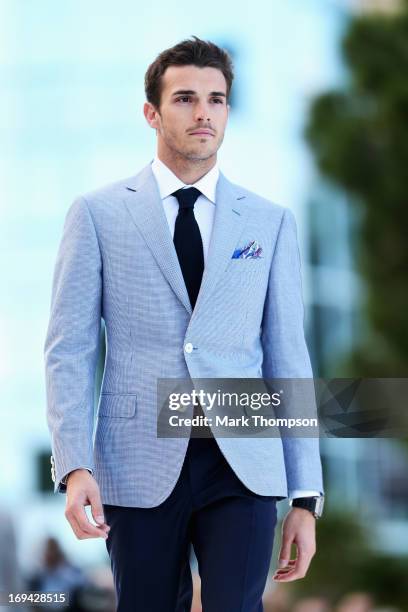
(192, 92)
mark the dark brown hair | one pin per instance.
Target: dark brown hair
(196, 52)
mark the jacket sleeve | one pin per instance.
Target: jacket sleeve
(72, 344)
(285, 353)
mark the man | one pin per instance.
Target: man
(195, 277)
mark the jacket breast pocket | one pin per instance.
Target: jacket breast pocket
(117, 405)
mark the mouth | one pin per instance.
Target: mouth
(201, 133)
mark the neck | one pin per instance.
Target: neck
(187, 170)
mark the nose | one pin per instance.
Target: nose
(202, 112)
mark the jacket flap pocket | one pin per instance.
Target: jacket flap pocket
(117, 405)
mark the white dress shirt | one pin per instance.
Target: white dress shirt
(204, 210)
(204, 207)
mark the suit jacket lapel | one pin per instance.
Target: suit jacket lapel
(146, 208)
(231, 210)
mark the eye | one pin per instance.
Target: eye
(218, 100)
(183, 98)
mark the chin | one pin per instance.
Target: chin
(200, 153)
(199, 157)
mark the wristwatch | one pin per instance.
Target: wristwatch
(313, 504)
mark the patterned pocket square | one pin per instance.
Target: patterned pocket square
(252, 250)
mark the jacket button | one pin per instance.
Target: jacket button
(188, 347)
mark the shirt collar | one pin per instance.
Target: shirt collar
(168, 182)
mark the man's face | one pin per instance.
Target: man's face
(192, 99)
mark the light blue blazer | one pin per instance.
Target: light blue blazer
(117, 261)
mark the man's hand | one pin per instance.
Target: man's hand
(298, 527)
(83, 490)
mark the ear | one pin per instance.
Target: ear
(150, 114)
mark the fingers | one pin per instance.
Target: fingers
(284, 554)
(81, 526)
(295, 568)
(97, 508)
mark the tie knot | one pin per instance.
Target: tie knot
(186, 197)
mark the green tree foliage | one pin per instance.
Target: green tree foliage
(359, 136)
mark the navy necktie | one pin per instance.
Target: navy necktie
(188, 243)
(189, 247)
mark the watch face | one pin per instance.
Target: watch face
(319, 505)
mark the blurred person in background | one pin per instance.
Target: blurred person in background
(57, 574)
(134, 253)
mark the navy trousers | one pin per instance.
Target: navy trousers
(230, 528)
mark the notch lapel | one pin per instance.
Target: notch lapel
(231, 212)
(145, 207)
